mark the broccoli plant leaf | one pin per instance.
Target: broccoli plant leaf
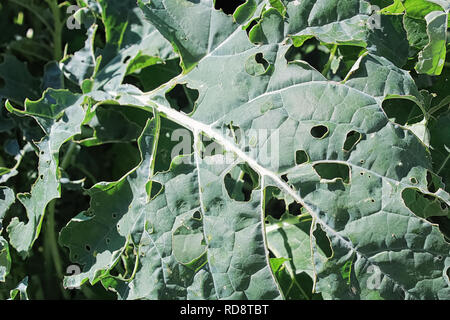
(111, 227)
(295, 102)
(60, 115)
(195, 238)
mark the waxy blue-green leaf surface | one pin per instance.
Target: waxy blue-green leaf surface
(275, 162)
(353, 192)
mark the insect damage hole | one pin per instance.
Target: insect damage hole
(127, 58)
(274, 204)
(322, 241)
(295, 208)
(351, 140)
(228, 6)
(432, 183)
(330, 172)
(153, 188)
(424, 205)
(319, 132)
(301, 157)
(197, 215)
(256, 65)
(182, 98)
(240, 182)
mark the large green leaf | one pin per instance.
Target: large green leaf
(356, 167)
(60, 115)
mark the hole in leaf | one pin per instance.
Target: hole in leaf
(256, 65)
(88, 247)
(275, 208)
(127, 58)
(353, 137)
(293, 53)
(228, 6)
(41, 176)
(301, 157)
(319, 132)
(259, 58)
(153, 188)
(182, 98)
(424, 205)
(284, 177)
(322, 241)
(311, 51)
(294, 208)
(108, 240)
(395, 110)
(332, 171)
(306, 283)
(250, 26)
(16, 106)
(210, 147)
(240, 182)
(413, 180)
(114, 215)
(197, 215)
(145, 79)
(234, 132)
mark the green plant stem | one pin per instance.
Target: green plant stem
(50, 234)
(57, 29)
(327, 67)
